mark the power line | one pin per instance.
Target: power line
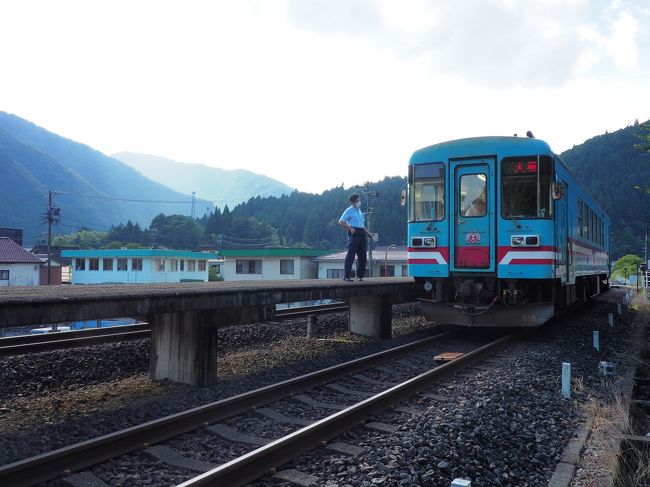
(114, 198)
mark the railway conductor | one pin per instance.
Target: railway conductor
(353, 221)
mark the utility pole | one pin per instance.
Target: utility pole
(53, 214)
(193, 204)
(645, 255)
(369, 210)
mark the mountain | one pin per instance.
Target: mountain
(222, 187)
(610, 167)
(92, 189)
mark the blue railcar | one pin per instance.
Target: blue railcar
(501, 233)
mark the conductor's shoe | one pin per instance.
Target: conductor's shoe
(360, 279)
(347, 279)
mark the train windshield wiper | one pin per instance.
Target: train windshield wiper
(510, 215)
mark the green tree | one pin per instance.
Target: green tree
(644, 135)
(626, 266)
(176, 231)
(84, 239)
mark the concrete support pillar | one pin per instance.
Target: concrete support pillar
(371, 316)
(184, 347)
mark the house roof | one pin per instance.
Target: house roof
(274, 252)
(137, 253)
(380, 254)
(12, 253)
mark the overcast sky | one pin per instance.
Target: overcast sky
(319, 93)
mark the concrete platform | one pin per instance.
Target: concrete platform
(184, 317)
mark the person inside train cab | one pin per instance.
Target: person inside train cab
(477, 208)
(353, 221)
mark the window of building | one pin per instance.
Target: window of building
(335, 273)
(248, 266)
(405, 270)
(136, 264)
(386, 270)
(286, 266)
(182, 265)
(202, 266)
(526, 187)
(428, 192)
(122, 264)
(93, 264)
(80, 264)
(159, 265)
(107, 264)
(191, 265)
(4, 275)
(173, 265)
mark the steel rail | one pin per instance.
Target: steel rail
(311, 310)
(254, 464)
(83, 455)
(68, 339)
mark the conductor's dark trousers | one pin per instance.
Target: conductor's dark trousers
(357, 245)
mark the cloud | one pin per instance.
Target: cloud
(496, 43)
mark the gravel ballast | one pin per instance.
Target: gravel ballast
(503, 425)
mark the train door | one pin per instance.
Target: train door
(473, 209)
(562, 233)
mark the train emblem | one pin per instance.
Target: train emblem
(473, 238)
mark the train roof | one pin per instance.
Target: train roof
(481, 146)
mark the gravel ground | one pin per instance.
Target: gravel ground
(56, 398)
(503, 427)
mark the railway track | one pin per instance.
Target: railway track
(410, 364)
(93, 336)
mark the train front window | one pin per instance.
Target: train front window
(526, 187)
(427, 183)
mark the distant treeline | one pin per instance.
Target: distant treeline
(297, 220)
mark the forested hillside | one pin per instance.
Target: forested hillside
(611, 168)
(312, 220)
(93, 190)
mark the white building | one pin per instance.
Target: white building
(17, 266)
(271, 264)
(388, 261)
(129, 266)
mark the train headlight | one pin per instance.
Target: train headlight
(517, 241)
(524, 241)
(430, 242)
(428, 286)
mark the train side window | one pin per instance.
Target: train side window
(428, 192)
(526, 187)
(580, 217)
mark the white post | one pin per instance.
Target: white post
(610, 319)
(566, 380)
(597, 341)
